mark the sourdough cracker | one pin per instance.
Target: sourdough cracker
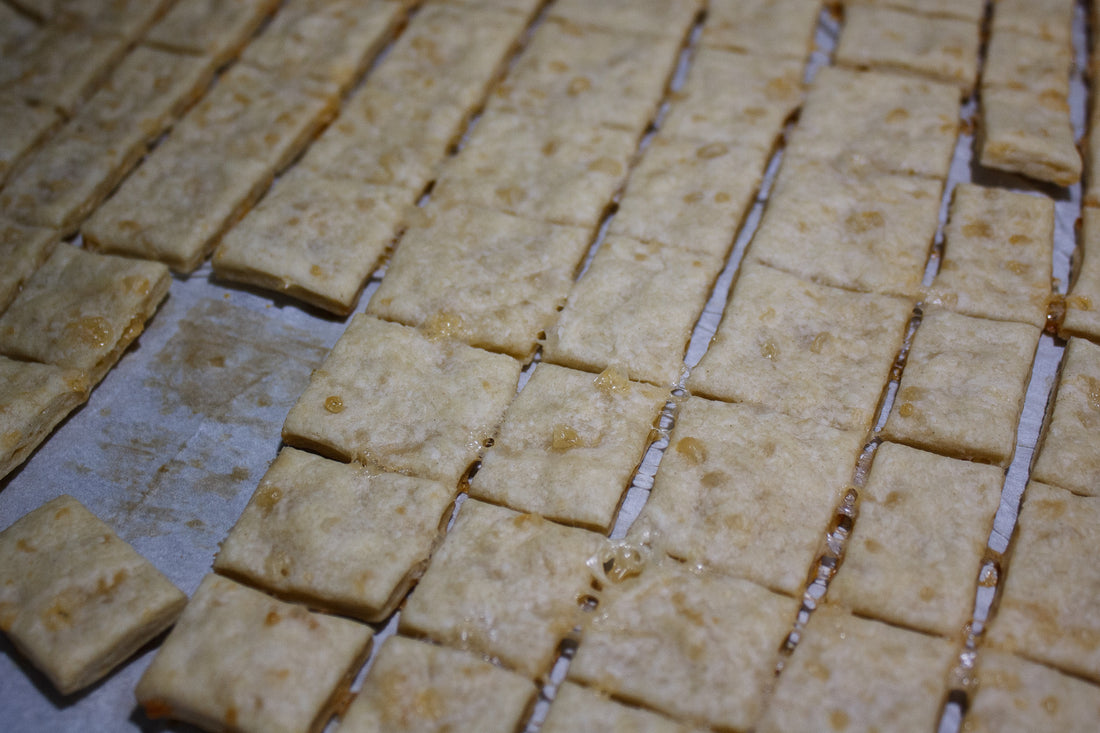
(34, 398)
(972, 10)
(214, 28)
(1067, 455)
(23, 127)
(655, 17)
(1031, 137)
(577, 709)
(1018, 696)
(762, 27)
(1083, 301)
(23, 250)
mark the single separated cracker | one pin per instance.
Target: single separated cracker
(748, 492)
(504, 584)
(849, 673)
(972, 10)
(81, 310)
(75, 598)
(963, 386)
(336, 536)
(945, 49)
(1031, 136)
(490, 279)
(909, 562)
(241, 660)
(1068, 455)
(998, 251)
(389, 395)
(870, 121)
(568, 446)
(577, 709)
(1047, 610)
(805, 349)
(418, 686)
(858, 231)
(634, 310)
(762, 27)
(1083, 302)
(23, 127)
(656, 17)
(34, 398)
(697, 647)
(23, 250)
(214, 28)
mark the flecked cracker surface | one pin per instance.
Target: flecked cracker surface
(1083, 302)
(1030, 136)
(23, 249)
(1068, 455)
(34, 398)
(25, 126)
(656, 17)
(577, 709)
(215, 28)
(763, 27)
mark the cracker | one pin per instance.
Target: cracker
(972, 10)
(1047, 607)
(656, 17)
(805, 349)
(504, 584)
(690, 195)
(34, 398)
(23, 127)
(998, 250)
(14, 27)
(560, 171)
(336, 536)
(441, 401)
(314, 239)
(859, 231)
(909, 562)
(1029, 136)
(945, 49)
(490, 279)
(417, 686)
(127, 18)
(1048, 19)
(762, 27)
(963, 386)
(849, 673)
(717, 641)
(1067, 456)
(577, 709)
(1023, 62)
(75, 598)
(81, 310)
(214, 28)
(1083, 302)
(870, 121)
(568, 446)
(241, 660)
(23, 249)
(634, 309)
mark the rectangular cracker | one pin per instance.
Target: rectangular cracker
(76, 599)
(34, 398)
(655, 17)
(709, 633)
(762, 27)
(860, 231)
(634, 309)
(1051, 20)
(214, 28)
(578, 709)
(1022, 62)
(442, 400)
(1018, 696)
(1067, 456)
(23, 249)
(808, 350)
(963, 386)
(748, 492)
(241, 660)
(1083, 302)
(504, 584)
(972, 10)
(487, 278)
(23, 127)
(998, 253)
(1027, 135)
(127, 18)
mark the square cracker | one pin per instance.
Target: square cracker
(747, 492)
(560, 171)
(656, 17)
(634, 309)
(23, 249)
(762, 27)
(336, 536)
(1032, 136)
(1068, 455)
(1023, 62)
(1083, 302)
(417, 686)
(241, 660)
(805, 349)
(81, 310)
(214, 28)
(568, 446)
(849, 673)
(1050, 20)
(75, 598)
(314, 239)
(1047, 608)
(973, 10)
(870, 121)
(504, 584)
(34, 398)
(389, 395)
(717, 640)
(690, 195)
(859, 231)
(963, 386)
(908, 562)
(577, 709)
(490, 279)
(998, 253)
(25, 126)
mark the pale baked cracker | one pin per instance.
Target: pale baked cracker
(389, 395)
(1048, 19)
(488, 278)
(909, 562)
(1068, 455)
(214, 28)
(748, 492)
(577, 709)
(997, 258)
(504, 584)
(568, 446)
(23, 249)
(1031, 136)
(23, 127)
(1083, 302)
(634, 310)
(526, 8)
(862, 231)
(1047, 610)
(34, 398)
(127, 18)
(656, 17)
(1023, 62)
(808, 350)
(973, 10)
(241, 660)
(314, 239)
(849, 673)
(963, 386)
(418, 686)
(698, 647)
(75, 598)
(762, 27)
